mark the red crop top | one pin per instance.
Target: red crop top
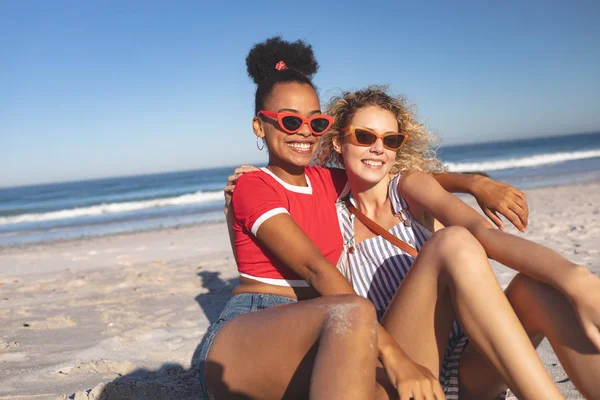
(260, 195)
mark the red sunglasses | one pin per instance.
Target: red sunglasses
(291, 122)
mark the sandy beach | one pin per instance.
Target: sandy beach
(119, 317)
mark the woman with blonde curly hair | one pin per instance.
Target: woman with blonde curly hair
(417, 153)
(436, 293)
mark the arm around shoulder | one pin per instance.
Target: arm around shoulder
(424, 193)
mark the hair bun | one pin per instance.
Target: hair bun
(263, 58)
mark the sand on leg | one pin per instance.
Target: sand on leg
(323, 348)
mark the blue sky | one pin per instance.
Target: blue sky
(106, 88)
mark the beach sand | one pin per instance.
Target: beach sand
(120, 317)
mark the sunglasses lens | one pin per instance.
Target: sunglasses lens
(393, 141)
(319, 125)
(291, 123)
(364, 137)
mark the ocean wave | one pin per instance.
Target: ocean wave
(114, 208)
(524, 162)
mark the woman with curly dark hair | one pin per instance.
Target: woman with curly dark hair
(276, 337)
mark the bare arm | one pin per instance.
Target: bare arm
(577, 283)
(492, 196)
(289, 244)
(425, 193)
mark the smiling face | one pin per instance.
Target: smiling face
(370, 164)
(287, 150)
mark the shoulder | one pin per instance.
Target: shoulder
(257, 197)
(410, 179)
(418, 186)
(252, 176)
(254, 183)
(255, 179)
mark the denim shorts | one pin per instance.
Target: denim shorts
(237, 305)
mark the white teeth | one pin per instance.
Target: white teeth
(373, 163)
(300, 146)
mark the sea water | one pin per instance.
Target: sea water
(59, 211)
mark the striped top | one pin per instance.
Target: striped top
(375, 267)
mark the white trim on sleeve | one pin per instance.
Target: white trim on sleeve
(266, 216)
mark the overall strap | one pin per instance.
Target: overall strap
(377, 229)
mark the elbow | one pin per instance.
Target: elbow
(324, 277)
(312, 273)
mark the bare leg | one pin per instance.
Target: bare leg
(452, 277)
(543, 311)
(324, 348)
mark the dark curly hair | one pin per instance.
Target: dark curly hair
(263, 57)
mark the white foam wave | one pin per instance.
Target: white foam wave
(524, 162)
(114, 208)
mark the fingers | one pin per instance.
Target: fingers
(521, 202)
(228, 193)
(427, 390)
(243, 169)
(239, 171)
(231, 179)
(496, 197)
(424, 390)
(510, 215)
(520, 215)
(417, 393)
(438, 392)
(519, 194)
(494, 218)
(405, 394)
(517, 203)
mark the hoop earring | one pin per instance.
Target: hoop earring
(263, 143)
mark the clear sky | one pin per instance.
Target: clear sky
(104, 88)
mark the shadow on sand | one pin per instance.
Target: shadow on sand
(170, 381)
(219, 292)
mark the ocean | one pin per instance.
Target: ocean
(60, 211)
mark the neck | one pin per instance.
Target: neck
(369, 197)
(291, 174)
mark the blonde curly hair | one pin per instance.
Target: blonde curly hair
(418, 152)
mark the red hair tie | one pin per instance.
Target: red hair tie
(280, 66)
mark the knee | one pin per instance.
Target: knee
(352, 307)
(350, 313)
(524, 290)
(457, 242)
